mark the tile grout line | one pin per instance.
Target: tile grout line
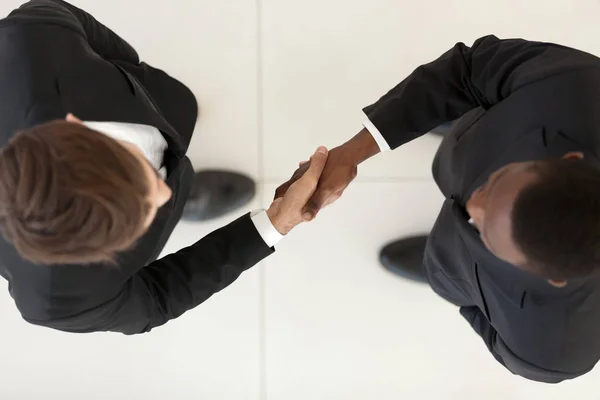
(259, 91)
(262, 345)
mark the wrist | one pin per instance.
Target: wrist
(276, 219)
(361, 147)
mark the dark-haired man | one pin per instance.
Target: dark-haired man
(517, 242)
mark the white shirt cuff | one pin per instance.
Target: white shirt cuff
(381, 142)
(265, 228)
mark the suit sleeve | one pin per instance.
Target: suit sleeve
(465, 78)
(101, 39)
(505, 356)
(172, 285)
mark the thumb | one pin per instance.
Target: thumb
(314, 205)
(317, 165)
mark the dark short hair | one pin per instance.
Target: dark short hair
(556, 219)
(70, 195)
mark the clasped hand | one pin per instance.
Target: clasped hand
(314, 185)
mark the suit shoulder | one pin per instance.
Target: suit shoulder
(41, 12)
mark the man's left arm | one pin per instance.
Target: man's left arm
(465, 78)
(505, 356)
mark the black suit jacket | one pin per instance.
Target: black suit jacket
(54, 59)
(524, 101)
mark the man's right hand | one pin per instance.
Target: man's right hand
(287, 210)
(340, 170)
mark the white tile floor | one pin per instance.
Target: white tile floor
(319, 319)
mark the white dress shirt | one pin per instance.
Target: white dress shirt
(153, 146)
(147, 138)
(381, 142)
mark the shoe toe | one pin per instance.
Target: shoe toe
(215, 193)
(405, 258)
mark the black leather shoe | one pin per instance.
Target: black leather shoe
(405, 258)
(215, 193)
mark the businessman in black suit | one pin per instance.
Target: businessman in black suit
(517, 243)
(87, 202)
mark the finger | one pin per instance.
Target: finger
(333, 198)
(282, 190)
(317, 165)
(300, 172)
(301, 163)
(315, 204)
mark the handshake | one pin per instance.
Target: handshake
(319, 182)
